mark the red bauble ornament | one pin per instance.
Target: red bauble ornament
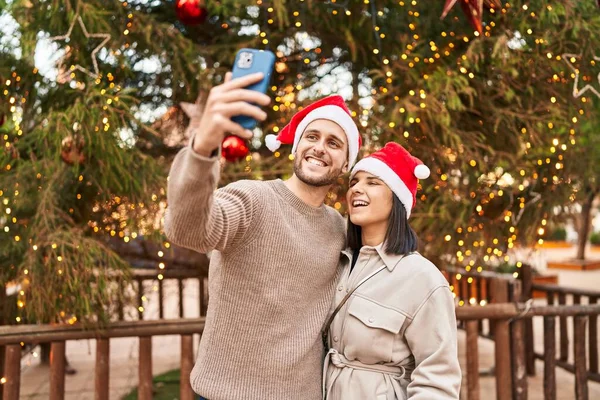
(234, 148)
(191, 12)
(72, 150)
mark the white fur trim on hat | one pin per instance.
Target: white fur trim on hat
(339, 116)
(382, 171)
(272, 143)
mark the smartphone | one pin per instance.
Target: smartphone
(249, 61)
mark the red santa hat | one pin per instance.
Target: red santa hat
(332, 108)
(394, 165)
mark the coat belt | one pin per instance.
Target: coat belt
(338, 360)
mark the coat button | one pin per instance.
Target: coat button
(341, 288)
(335, 338)
(371, 319)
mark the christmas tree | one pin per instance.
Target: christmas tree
(96, 96)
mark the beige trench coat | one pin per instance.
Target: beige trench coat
(395, 337)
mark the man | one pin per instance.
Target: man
(272, 276)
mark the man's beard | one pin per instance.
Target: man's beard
(317, 181)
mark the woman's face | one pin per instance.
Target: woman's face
(369, 200)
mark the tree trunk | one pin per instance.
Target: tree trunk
(586, 220)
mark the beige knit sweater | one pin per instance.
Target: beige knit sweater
(271, 281)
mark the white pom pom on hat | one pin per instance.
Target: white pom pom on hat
(272, 143)
(394, 165)
(422, 171)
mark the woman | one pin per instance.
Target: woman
(393, 332)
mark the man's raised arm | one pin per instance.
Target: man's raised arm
(198, 217)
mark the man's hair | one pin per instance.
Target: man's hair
(399, 237)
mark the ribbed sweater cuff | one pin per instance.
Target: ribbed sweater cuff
(195, 166)
(214, 156)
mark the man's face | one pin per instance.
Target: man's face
(322, 153)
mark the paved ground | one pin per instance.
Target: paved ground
(166, 349)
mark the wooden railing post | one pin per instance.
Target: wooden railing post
(201, 296)
(3, 320)
(464, 295)
(502, 344)
(140, 293)
(550, 297)
(472, 360)
(581, 386)
(480, 296)
(57, 370)
(593, 339)
(2, 358)
(102, 369)
(526, 276)
(564, 336)
(145, 369)
(550, 358)
(187, 363)
(180, 292)
(502, 358)
(517, 336)
(161, 299)
(470, 290)
(453, 283)
(120, 305)
(527, 295)
(491, 289)
(12, 372)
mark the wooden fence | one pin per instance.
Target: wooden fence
(510, 368)
(507, 328)
(558, 295)
(12, 336)
(141, 283)
(489, 288)
(509, 325)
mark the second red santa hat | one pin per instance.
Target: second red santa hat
(332, 108)
(400, 171)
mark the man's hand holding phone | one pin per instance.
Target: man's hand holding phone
(223, 102)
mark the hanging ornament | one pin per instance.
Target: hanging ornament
(234, 148)
(473, 10)
(570, 59)
(72, 150)
(191, 12)
(12, 150)
(67, 36)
